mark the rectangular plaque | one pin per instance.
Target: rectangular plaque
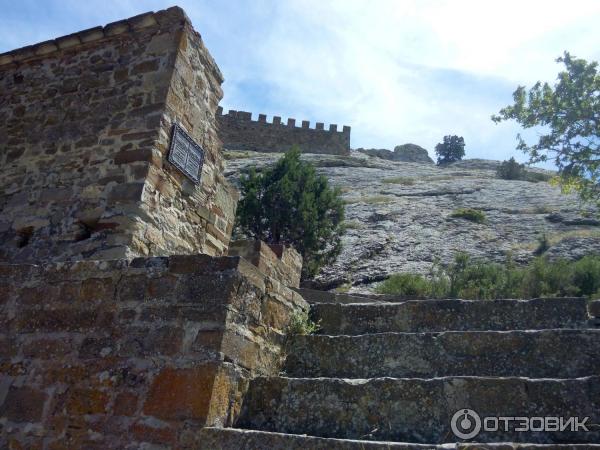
(186, 154)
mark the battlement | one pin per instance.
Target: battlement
(239, 131)
(163, 20)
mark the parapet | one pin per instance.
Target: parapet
(238, 131)
(277, 261)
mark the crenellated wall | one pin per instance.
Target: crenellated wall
(238, 131)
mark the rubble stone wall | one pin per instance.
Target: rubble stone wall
(84, 136)
(128, 354)
(239, 132)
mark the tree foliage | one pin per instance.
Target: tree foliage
(511, 170)
(290, 203)
(452, 149)
(569, 117)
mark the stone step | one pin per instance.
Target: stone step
(449, 315)
(238, 439)
(418, 410)
(561, 353)
(316, 296)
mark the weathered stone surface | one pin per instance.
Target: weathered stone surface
(134, 352)
(238, 131)
(236, 439)
(398, 216)
(411, 153)
(277, 261)
(594, 308)
(560, 353)
(445, 315)
(85, 134)
(416, 410)
(405, 153)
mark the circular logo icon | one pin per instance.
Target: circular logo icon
(466, 424)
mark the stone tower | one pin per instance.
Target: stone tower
(87, 124)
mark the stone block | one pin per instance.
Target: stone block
(83, 401)
(177, 394)
(128, 192)
(126, 403)
(23, 404)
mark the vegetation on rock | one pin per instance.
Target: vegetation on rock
(290, 203)
(409, 284)
(472, 279)
(473, 215)
(512, 170)
(301, 324)
(451, 150)
(569, 114)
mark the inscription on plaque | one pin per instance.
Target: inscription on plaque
(186, 154)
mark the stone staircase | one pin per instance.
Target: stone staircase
(392, 374)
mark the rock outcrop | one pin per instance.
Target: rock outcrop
(405, 152)
(399, 216)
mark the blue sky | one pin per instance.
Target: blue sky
(397, 71)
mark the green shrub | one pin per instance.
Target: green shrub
(475, 279)
(511, 170)
(548, 279)
(482, 280)
(451, 150)
(474, 215)
(289, 203)
(301, 324)
(586, 275)
(405, 284)
(536, 177)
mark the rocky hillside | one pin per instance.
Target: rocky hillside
(399, 215)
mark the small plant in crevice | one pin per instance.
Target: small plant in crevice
(301, 324)
(470, 214)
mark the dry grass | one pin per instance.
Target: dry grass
(369, 199)
(556, 238)
(232, 154)
(405, 181)
(354, 225)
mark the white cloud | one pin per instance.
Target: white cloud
(386, 67)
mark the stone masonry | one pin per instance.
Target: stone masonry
(239, 132)
(134, 354)
(122, 323)
(85, 130)
(109, 339)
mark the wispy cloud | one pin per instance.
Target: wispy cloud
(396, 71)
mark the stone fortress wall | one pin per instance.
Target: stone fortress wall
(238, 131)
(86, 124)
(122, 322)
